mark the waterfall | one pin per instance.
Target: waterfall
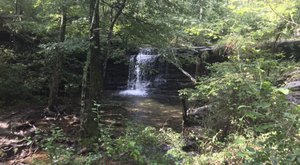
(142, 72)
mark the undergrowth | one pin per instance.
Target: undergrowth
(250, 122)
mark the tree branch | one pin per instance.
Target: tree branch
(175, 63)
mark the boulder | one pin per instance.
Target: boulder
(292, 82)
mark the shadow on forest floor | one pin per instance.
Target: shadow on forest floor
(19, 124)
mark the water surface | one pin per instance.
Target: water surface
(158, 110)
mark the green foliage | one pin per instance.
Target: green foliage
(138, 144)
(253, 20)
(60, 152)
(12, 86)
(54, 145)
(246, 105)
(73, 51)
(146, 145)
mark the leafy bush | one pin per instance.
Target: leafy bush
(246, 105)
(22, 76)
(54, 145)
(138, 144)
(12, 87)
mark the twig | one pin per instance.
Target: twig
(292, 22)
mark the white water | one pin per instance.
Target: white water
(139, 80)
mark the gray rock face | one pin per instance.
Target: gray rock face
(155, 73)
(290, 48)
(116, 75)
(164, 77)
(293, 84)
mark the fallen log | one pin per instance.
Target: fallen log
(199, 111)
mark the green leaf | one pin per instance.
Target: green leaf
(241, 155)
(283, 91)
(264, 105)
(131, 143)
(250, 149)
(243, 106)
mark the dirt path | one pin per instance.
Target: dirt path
(19, 124)
(15, 126)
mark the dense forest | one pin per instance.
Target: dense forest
(150, 82)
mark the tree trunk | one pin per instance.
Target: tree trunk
(200, 66)
(184, 111)
(92, 85)
(58, 62)
(96, 63)
(18, 8)
(113, 21)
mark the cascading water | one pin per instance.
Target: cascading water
(142, 67)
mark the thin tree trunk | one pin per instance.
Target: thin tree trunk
(276, 41)
(84, 98)
(113, 22)
(18, 8)
(198, 65)
(92, 86)
(184, 111)
(96, 80)
(58, 62)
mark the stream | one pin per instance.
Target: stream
(157, 110)
(145, 102)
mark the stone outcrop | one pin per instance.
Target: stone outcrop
(292, 82)
(116, 75)
(166, 77)
(290, 48)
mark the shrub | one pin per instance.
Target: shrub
(12, 84)
(245, 103)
